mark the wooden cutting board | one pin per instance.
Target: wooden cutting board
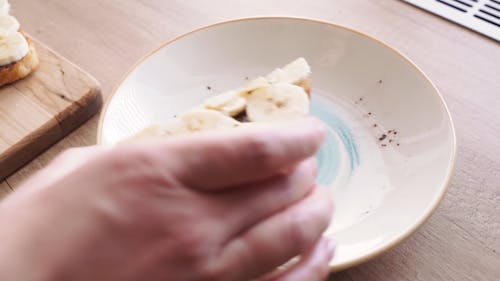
(43, 108)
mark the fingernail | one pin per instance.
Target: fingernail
(331, 246)
(314, 165)
(321, 128)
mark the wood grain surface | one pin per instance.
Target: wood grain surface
(39, 110)
(461, 241)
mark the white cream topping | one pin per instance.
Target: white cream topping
(8, 26)
(13, 45)
(13, 48)
(4, 7)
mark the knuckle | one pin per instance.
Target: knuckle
(197, 240)
(245, 255)
(313, 167)
(134, 164)
(210, 272)
(261, 149)
(192, 246)
(297, 234)
(325, 214)
(223, 269)
(306, 172)
(197, 251)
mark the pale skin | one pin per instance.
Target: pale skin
(214, 206)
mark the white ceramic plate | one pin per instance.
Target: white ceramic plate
(391, 148)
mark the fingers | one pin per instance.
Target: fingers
(214, 161)
(265, 198)
(313, 266)
(277, 239)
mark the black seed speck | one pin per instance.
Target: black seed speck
(395, 132)
(380, 81)
(360, 99)
(369, 113)
(375, 125)
(209, 88)
(390, 140)
(382, 137)
(397, 144)
(383, 145)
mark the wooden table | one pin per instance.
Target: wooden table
(461, 241)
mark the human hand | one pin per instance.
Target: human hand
(214, 206)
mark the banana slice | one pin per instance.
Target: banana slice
(259, 82)
(234, 102)
(292, 73)
(277, 102)
(234, 107)
(220, 100)
(8, 26)
(169, 128)
(230, 103)
(13, 48)
(4, 7)
(280, 96)
(207, 119)
(196, 120)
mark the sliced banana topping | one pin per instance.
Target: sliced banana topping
(259, 82)
(277, 102)
(207, 119)
(13, 48)
(219, 101)
(292, 73)
(169, 128)
(234, 107)
(196, 120)
(230, 103)
(279, 96)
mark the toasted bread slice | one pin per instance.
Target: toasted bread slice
(18, 70)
